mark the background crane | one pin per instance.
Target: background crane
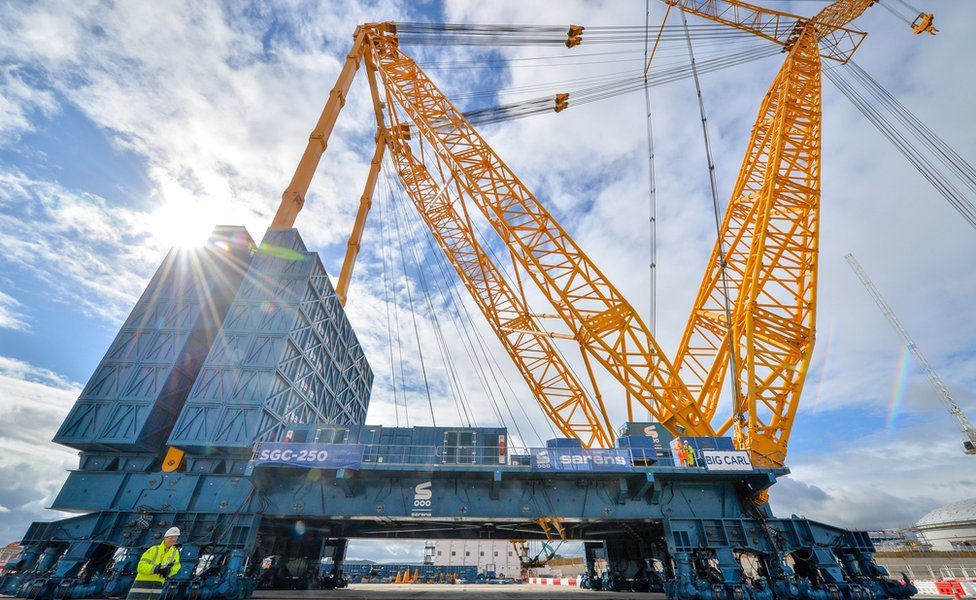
(969, 444)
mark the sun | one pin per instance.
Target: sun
(183, 223)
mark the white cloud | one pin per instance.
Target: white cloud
(19, 101)
(35, 400)
(84, 250)
(886, 479)
(10, 314)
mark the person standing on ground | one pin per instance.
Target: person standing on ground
(157, 564)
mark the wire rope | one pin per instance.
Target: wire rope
(894, 12)
(475, 363)
(453, 379)
(396, 321)
(534, 106)
(413, 315)
(854, 83)
(720, 244)
(387, 302)
(482, 345)
(651, 183)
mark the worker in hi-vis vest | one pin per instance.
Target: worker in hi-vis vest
(158, 563)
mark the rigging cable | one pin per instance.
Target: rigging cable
(386, 301)
(413, 315)
(396, 321)
(652, 185)
(534, 106)
(720, 244)
(848, 81)
(894, 12)
(453, 379)
(489, 358)
(474, 360)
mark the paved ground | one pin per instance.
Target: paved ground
(364, 591)
(368, 591)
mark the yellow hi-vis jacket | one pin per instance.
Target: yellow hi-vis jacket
(157, 555)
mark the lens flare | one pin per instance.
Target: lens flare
(282, 253)
(898, 389)
(824, 367)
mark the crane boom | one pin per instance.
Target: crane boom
(837, 41)
(970, 443)
(559, 393)
(602, 321)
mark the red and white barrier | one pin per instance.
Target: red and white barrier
(948, 588)
(554, 581)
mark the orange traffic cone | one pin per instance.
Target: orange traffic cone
(399, 577)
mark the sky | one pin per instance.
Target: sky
(128, 128)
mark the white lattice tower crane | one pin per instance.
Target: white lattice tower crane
(969, 444)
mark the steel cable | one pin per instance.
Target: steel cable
(854, 88)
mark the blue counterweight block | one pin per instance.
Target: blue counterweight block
(137, 391)
(285, 354)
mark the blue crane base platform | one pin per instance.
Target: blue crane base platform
(232, 404)
(685, 530)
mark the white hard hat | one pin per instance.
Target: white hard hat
(172, 532)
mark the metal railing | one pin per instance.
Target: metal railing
(433, 456)
(447, 456)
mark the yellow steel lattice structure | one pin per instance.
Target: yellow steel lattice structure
(769, 242)
(756, 307)
(561, 396)
(602, 321)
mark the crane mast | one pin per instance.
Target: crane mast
(969, 445)
(769, 238)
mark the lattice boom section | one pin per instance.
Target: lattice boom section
(285, 354)
(139, 387)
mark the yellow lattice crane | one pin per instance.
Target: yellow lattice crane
(756, 308)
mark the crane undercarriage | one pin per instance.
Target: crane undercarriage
(682, 530)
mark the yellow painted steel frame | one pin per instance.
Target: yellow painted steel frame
(365, 203)
(553, 384)
(836, 41)
(604, 324)
(770, 239)
(770, 236)
(293, 197)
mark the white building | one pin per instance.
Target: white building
(951, 527)
(9, 553)
(488, 555)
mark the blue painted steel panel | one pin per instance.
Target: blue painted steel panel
(285, 354)
(139, 387)
(564, 443)
(655, 431)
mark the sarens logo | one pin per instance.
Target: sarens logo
(584, 459)
(422, 495)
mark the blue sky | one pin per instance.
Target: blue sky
(127, 129)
